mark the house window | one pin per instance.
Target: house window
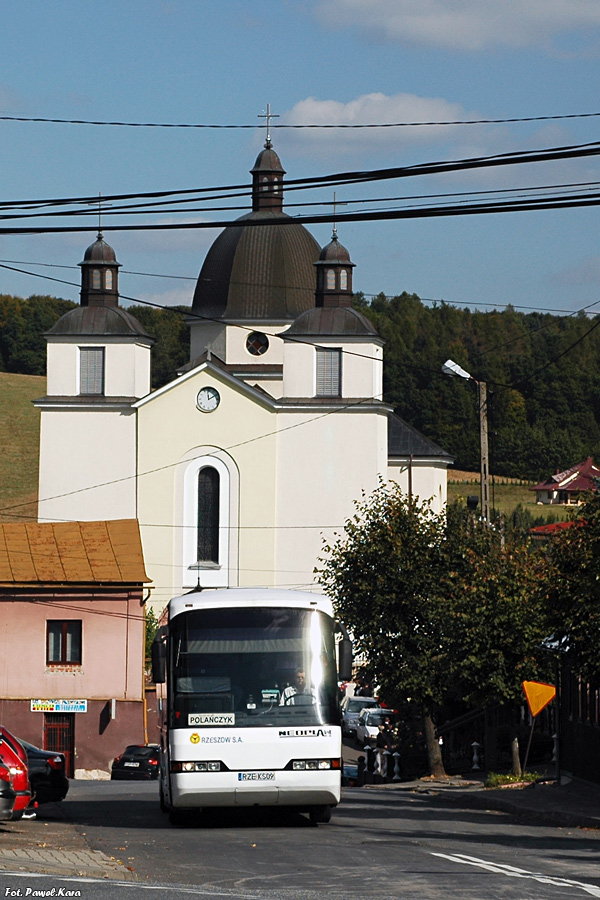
(329, 372)
(63, 642)
(91, 370)
(208, 515)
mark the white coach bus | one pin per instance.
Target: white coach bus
(248, 701)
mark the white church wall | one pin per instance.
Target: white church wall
(325, 464)
(172, 435)
(126, 367)
(299, 369)
(237, 335)
(429, 481)
(87, 465)
(362, 370)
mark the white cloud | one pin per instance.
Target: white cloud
(376, 108)
(463, 24)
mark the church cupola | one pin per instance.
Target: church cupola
(99, 275)
(334, 275)
(267, 180)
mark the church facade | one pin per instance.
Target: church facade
(241, 467)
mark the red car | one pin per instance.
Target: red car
(14, 757)
(7, 795)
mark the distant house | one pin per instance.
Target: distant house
(72, 638)
(568, 486)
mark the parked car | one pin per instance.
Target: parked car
(351, 707)
(138, 761)
(368, 724)
(13, 755)
(7, 795)
(47, 773)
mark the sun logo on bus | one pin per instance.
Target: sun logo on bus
(195, 738)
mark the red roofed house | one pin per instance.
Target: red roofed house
(72, 638)
(568, 486)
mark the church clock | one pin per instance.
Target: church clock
(208, 399)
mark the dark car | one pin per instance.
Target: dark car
(7, 795)
(138, 761)
(47, 773)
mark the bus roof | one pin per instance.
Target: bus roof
(229, 598)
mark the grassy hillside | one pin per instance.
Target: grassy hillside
(19, 445)
(505, 495)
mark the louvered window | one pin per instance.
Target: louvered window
(91, 370)
(329, 373)
(208, 515)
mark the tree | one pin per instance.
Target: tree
(573, 590)
(443, 610)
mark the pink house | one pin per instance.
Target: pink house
(567, 486)
(72, 638)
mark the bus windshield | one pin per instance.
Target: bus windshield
(252, 667)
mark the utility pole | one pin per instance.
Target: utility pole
(485, 459)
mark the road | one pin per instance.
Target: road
(379, 844)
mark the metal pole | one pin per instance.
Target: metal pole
(485, 463)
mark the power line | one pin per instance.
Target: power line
(299, 125)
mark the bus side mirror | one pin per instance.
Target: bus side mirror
(159, 658)
(345, 659)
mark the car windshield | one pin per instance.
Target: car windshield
(377, 718)
(141, 752)
(355, 704)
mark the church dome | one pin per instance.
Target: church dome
(334, 252)
(99, 321)
(331, 321)
(264, 268)
(100, 252)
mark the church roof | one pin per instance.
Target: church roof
(263, 271)
(405, 441)
(99, 321)
(338, 321)
(71, 552)
(100, 252)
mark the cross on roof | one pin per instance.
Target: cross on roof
(268, 116)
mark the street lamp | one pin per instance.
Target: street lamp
(453, 369)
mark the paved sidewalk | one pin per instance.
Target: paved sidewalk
(572, 803)
(52, 845)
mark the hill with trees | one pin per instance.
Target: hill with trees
(542, 371)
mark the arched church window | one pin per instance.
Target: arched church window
(257, 343)
(108, 280)
(330, 280)
(343, 279)
(276, 184)
(96, 282)
(265, 184)
(208, 515)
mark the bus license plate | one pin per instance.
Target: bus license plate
(256, 776)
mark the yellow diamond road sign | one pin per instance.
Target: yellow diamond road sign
(539, 695)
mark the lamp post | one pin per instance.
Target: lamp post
(453, 369)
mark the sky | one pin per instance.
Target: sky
(333, 62)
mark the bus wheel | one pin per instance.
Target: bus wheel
(320, 815)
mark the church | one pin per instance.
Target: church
(252, 456)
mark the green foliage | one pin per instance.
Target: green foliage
(444, 608)
(151, 627)
(573, 590)
(543, 422)
(496, 780)
(22, 327)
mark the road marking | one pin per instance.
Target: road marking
(514, 872)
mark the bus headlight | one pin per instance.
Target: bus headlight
(299, 765)
(195, 766)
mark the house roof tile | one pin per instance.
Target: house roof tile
(71, 552)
